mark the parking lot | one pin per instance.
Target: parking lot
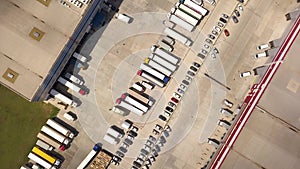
(123, 47)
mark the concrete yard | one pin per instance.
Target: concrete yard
(118, 49)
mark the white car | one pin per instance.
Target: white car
(245, 74)
(263, 46)
(260, 55)
(228, 103)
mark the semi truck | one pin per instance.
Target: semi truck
(129, 107)
(73, 78)
(180, 22)
(52, 160)
(196, 7)
(54, 134)
(188, 10)
(155, 73)
(178, 36)
(191, 20)
(110, 139)
(63, 98)
(71, 86)
(166, 55)
(44, 145)
(141, 97)
(89, 157)
(114, 133)
(40, 161)
(161, 61)
(135, 102)
(51, 142)
(151, 78)
(58, 127)
(79, 57)
(158, 67)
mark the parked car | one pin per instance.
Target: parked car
(180, 91)
(225, 16)
(228, 103)
(177, 96)
(171, 104)
(214, 32)
(223, 20)
(220, 25)
(217, 28)
(226, 32)
(237, 13)
(151, 138)
(163, 118)
(211, 36)
(197, 65)
(169, 109)
(208, 41)
(190, 73)
(204, 51)
(263, 46)
(245, 74)
(185, 82)
(167, 114)
(235, 20)
(155, 132)
(174, 100)
(158, 127)
(206, 46)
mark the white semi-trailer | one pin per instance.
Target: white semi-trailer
(58, 127)
(196, 7)
(161, 61)
(54, 134)
(51, 142)
(89, 157)
(71, 86)
(110, 139)
(166, 55)
(73, 78)
(178, 36)
(63, 98)
(79, 57)
(44, 145)
(151, 78)
(129, 107)
(40, 161)
(158, 67)
(180, 22)
(135, 102)
(188, 10)
(114, 133)
(191, 20)
(154, 72)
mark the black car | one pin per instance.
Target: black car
(185, 82)
(120, 154)
(132, 133)
(169, 109)
(196, 64)
(163, 118)
(190, 73)
(193, 68)
(223, 20)
(235, 19)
